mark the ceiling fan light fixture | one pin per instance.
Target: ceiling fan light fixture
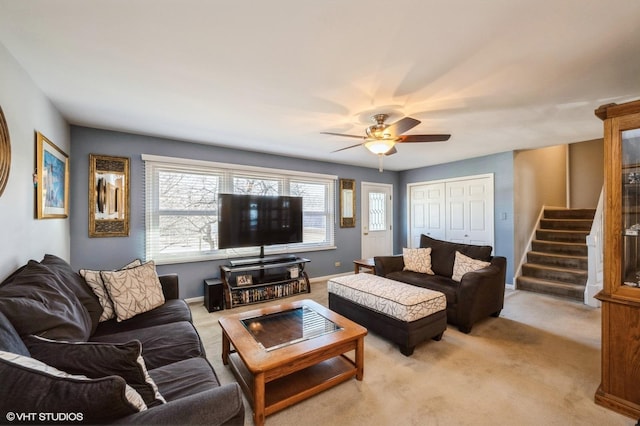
(380, 146)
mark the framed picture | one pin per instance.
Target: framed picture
(244, 280)
(108, 196)
(52, 175)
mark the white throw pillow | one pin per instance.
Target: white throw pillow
(94, 280)
(134, 290)
(417, 260)
(464, 264)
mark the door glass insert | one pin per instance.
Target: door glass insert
(377, 211)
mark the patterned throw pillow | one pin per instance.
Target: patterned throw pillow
(133, 291)
(417, 260)
(51, 390)
(94, 280)
(464, 264)
(98, 359)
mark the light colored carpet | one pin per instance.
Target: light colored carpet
(538, 364)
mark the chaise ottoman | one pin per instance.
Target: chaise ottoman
(402, 313)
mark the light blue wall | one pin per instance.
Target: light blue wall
(108, 253)
(501, 165)
(27, 110)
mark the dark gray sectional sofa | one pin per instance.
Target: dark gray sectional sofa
(479, 294)
(48, 313)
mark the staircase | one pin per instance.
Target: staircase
(557, 263)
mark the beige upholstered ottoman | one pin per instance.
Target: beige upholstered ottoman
(403, 313)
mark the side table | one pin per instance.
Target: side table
(366, 264)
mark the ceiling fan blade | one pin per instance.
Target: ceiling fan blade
(342, 134)
(423, 138)
(391, 151)
(399, 127)
(349, 147)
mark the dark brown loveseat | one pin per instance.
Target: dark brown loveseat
(479, 294)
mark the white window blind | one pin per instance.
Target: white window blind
(181, 207)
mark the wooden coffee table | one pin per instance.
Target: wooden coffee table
(286, 353)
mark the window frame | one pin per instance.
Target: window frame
(227, 172)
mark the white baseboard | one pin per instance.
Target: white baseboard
(199, 299)
(328, 277)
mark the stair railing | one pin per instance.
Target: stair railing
(595, 249)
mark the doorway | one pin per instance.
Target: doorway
(377, 220)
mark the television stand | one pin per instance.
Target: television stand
(255, 280)
(262, 260)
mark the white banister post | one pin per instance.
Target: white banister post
(595, 248)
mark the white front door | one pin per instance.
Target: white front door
(470, 211)
(426, 212)
(377, 219)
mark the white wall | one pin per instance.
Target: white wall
(26, 111)
(540, 178)
(586, 173)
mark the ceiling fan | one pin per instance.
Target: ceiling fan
(381, 138)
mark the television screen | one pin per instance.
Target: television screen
(255, 220)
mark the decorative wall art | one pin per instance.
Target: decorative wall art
(5, 152)
(347, 203)
(108, 196)
(52, 176)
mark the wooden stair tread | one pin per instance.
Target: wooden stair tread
(566, 231)
(551, 283)
(561, 243)
(556, 268)
(558, 255)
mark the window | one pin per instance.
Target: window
(182, 199)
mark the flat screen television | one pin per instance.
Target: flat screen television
(255, 220)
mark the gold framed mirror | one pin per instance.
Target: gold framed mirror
(108, 196)
(347, 203)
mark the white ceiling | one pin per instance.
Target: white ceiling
(269, 76)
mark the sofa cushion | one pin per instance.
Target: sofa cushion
(29, 385)
(439, 283)
(37, 302)
(443, 253)
(96, 360)
(417, 260)
(94, 281)
(173, 310)
(10, 340)
(134, 290)
(196, 375)
(77, 284)
(464, 264)
(161, 344)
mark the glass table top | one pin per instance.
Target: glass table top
(285, 328)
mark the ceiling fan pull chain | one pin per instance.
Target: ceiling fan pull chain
(380, 157)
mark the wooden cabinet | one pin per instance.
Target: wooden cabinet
(620, 296)
(248, 281)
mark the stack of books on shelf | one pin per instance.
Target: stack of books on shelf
(258, 294)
